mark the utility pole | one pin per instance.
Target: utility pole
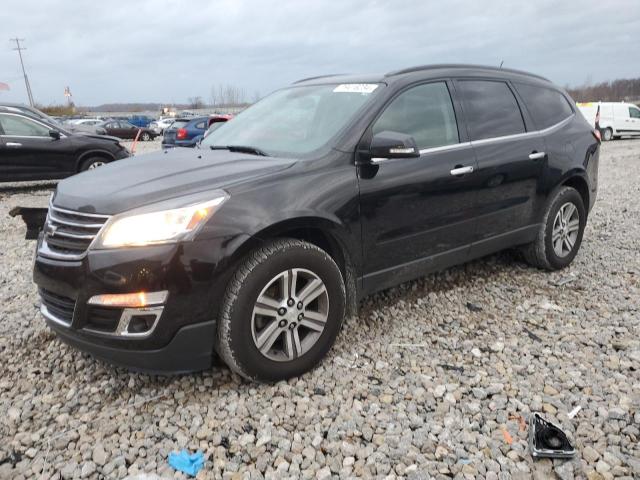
(26, 79)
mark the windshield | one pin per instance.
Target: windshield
(293, 121)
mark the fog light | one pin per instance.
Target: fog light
(130, 300)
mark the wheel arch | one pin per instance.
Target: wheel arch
(321, 232)
(579, 183)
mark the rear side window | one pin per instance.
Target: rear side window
(547, 106)
(425, 112)
(490, 108)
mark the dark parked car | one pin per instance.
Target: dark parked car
(34, 149)
(126, 130)
(185, 132)
(257, 244)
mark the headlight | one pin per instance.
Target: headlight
(151, 228)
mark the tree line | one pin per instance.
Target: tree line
(627, 90)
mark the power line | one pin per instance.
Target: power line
(26, 79)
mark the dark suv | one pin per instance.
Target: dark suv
(257, 244)
(34, 148)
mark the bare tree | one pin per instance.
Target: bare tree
(196, 102)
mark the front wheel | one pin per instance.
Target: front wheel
(145, 137)
(92, 163)
(282, 311)
(560, 234)
(607, 134)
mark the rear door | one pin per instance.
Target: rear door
(29, 152)
(417, 213)
(634, 119)
(510, 160)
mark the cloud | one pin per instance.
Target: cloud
(168, 51)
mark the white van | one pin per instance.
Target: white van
(617, 119)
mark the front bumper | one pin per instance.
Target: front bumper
(190, 350)
(193, 274)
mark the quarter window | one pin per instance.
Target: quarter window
(546, 106)
(425, 112)
(22, 127)
(634, 112)
(490, 108)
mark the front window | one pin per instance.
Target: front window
(294, 121)
(634, 112)
(21, 127)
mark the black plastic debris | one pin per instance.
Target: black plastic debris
(548, 440)
(34, 219)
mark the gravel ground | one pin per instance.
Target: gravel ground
(433, 380)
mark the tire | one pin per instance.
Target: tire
(607, 134)
(543, 252)
(93, 162)
(242, 328)
(145, 137)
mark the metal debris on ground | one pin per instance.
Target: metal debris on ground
(547, 439)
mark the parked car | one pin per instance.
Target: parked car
(258, 243)
(185, 132)
(141, 121)
(34, 112)
(215, 122)
(617, 119)
(125, 130)
(159, 126)
(33, 148)
(85, 121)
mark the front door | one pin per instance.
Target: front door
(634, 119)
(417, 213)
(29, 152)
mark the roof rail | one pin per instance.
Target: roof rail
(461, 65)
(318, 77)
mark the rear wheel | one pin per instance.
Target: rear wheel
(145, 137)
(607, 134)
(560, 234)
(92, 163)
(282, 311)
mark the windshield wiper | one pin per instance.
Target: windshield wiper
(241, 149)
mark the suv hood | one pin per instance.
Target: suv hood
(146, 179)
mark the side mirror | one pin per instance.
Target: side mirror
(54, 134)
(389, 144)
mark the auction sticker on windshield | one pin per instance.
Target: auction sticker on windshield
(365, 88)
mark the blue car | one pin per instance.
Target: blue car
(185, 132)
(141, 121)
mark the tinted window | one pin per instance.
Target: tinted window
(424, 112)
(18, 126)
(490, 108)
(547, 106)
(634, 112)
(179, 124)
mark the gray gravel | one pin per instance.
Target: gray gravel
(431, 381)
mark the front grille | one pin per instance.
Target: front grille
(57, 305)
(68, 233)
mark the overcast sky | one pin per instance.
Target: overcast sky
(157, 51)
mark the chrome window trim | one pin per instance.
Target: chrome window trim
(473, 143)
(26, 117)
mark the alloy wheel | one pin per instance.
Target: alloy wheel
(290, 315)
(95, 165)
(566, 227)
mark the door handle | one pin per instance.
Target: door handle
(461, 170)
(13, 144)
(537, 155)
